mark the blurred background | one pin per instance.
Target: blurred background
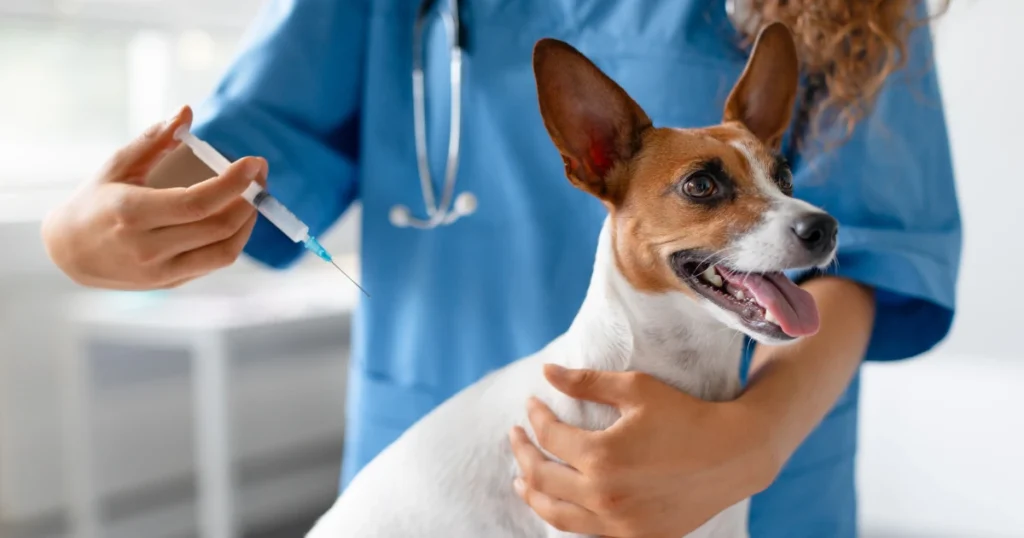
(110, 377)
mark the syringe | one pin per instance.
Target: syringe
(267, 205)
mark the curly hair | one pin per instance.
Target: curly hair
(847, 48)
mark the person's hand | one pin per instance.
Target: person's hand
(665, 467)
(115, 232)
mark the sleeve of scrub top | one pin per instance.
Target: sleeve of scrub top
(292, 96)
(891, 186)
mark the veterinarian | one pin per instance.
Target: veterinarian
(321, 95)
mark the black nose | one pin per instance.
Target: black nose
(817, 232)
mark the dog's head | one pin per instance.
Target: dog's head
(707, 211)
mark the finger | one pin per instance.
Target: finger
(619, 389)
(546, 476)
(157, 208)
(564, 516)
(213, 195)
(261, 177)
(140, 155)
(211, 257)
(567, 443)
(174, 240)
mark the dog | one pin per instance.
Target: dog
(702, 223)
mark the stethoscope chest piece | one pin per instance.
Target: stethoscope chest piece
(465, 205)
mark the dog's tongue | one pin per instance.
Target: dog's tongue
(793, 308)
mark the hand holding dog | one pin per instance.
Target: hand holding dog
(668, 465)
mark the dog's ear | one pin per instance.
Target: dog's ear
(763, 98)
(593, 122)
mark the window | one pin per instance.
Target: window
(81, 77)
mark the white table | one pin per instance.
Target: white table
(203, 323)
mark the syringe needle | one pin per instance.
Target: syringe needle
(348, 277)
(267, 205)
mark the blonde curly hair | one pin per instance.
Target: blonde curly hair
(847, 48)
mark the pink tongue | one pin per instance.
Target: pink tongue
(793, 308)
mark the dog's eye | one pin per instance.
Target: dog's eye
(699, 185)
(784, 179)
(783, 176)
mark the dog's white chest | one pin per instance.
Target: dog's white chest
(451, 474)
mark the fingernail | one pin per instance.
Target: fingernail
(519, 486)
(557, 371)
(170, 121)
(254, 168)
(532, 403)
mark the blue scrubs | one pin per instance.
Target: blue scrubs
(322, 89)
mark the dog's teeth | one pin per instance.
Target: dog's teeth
(770, 318)
(711, 277)
(738, 293)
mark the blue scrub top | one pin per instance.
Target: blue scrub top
(321, 88)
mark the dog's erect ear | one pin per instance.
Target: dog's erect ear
(593, 122)
(763, 98)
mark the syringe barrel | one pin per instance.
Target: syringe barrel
(278, 214)
(202, 150)
(269, 207)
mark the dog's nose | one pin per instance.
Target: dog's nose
(816, 232)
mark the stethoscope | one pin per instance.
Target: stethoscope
(465, 204)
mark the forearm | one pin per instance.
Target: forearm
(793, 387)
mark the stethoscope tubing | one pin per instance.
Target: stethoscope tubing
(437, 214)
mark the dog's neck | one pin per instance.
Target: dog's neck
(667, 335)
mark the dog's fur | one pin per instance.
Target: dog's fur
(451, 473)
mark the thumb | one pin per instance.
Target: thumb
(618, 389)
(135, 160)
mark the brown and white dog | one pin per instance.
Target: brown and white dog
(701, 226)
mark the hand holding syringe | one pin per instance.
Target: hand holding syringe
(267, 205)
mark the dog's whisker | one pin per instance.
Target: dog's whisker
(721, 254)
